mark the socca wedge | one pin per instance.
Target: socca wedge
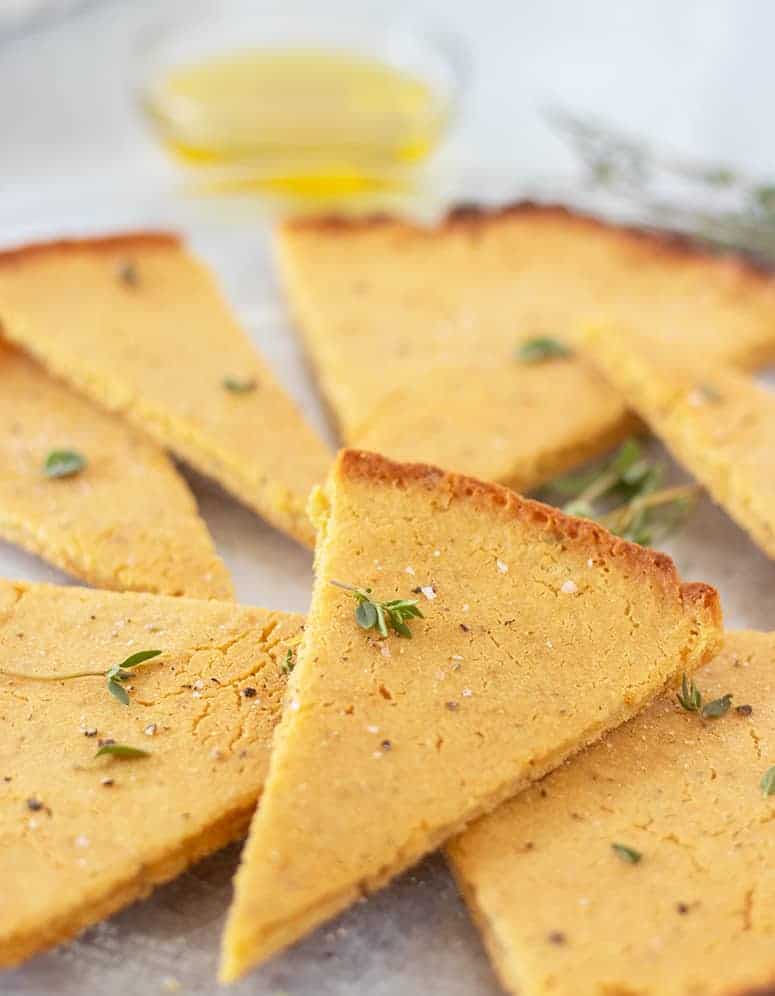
(84, 836)
(126, 520)
(719, 423)
(415, 333)
(138, 325)
(685, 903)
(539, 633)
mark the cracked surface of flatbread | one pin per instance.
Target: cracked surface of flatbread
(74, 847)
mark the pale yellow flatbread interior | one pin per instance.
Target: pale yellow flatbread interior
(539, 633)
(126, 521)
(139, 325)
(414, 333)
(80, 836)
(563, 913)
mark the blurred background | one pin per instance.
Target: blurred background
(690, 81)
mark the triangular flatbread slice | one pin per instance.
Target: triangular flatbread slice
(127, 520)
(540, 632)
(564, 911)
(138, 325)
(719, 423)
(83, 836)
(415, 332)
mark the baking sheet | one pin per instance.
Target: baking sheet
(414, 937)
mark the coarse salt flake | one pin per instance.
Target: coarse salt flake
(503, 568)
(408, 570)
(372, 729)
(429, 591)
(81, 840)
(569, 587)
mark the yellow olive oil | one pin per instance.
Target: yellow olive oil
(300, 122)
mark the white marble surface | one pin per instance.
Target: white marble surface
(74, 158)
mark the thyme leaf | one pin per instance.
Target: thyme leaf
(289, 663)
(627, 854)
(122, 751)
(542, 348)
(240, 385)
(768, 781)
(63, 463)
(718, 707)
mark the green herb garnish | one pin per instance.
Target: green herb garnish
(121, 751)
(623, 494)
(718, 707)
(240, 385)
(768, 781)
(114, 675)
(127, 273)
(542, 348)
(393, 614)
(705, 393)
(289, 663)
(689, 697)
(63, 463)
(628, 854)
(120, 672)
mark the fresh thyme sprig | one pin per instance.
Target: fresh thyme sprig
(623, 494)
(724, 207)
(382, 616)
(690, 699)
(114, 675)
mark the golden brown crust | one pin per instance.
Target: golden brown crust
(101, 243)
(372, 466)
(649, 242)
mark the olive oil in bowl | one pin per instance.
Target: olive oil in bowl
(301, 121)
